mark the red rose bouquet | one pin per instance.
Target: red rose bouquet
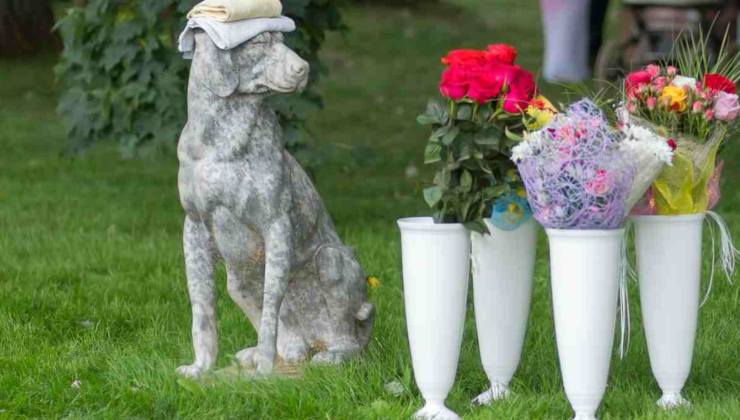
(490, 102)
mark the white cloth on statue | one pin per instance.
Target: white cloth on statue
(233, 10)
(227, 35)
(566, 31)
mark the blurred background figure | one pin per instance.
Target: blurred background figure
(648, 30)
(566, 31)
(574, 34)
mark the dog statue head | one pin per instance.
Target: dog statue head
(262, 66)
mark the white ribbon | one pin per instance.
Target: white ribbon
(624, 300)
(728, 253)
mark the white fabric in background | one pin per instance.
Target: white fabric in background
(566, 32)
(227, 35)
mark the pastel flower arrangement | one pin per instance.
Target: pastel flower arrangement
(491, 102)
(581, 173)
(680, 103)
(695, 107)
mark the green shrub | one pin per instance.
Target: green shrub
(125, 81)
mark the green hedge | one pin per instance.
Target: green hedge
(125, 81)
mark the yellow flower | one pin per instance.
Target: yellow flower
(541, 111)
(514, 208)
(674, 98)
(541, 102)
(521, 192)
(373, 282)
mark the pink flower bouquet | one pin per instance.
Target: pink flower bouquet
(695, 110)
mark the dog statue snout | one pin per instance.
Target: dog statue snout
(297, 70)
(287, 72)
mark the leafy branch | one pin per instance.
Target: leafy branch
(470, 149)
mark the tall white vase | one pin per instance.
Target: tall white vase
(436, 267)
(669, 268)
(585, 272)
(503, 264)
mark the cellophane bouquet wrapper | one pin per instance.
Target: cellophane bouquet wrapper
(691, 183)
(576, 172)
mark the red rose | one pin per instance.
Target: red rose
(455, 82)
(501, 52)
(520, 91)
(523, 82)
(503, 73)
(717, 82)
(635, 80)
(672, 144)
(484, 86)
(515, 102)
(455, 57)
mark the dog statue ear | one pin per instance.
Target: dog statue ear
(213, 67)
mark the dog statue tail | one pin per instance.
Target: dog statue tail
(365, 317)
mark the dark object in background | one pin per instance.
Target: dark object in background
(596, 27)
(650, 30)
(26, 27)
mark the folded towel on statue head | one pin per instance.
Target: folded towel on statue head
(233, 10)
(227, 35)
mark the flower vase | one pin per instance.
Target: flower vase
(585, 273)
(669, 269)
(436, 267)
(502, 264)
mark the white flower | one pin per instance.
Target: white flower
(642, 141)
(530, 146)
(683, 81)
(521, 151)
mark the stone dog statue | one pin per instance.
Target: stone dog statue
(250, 204)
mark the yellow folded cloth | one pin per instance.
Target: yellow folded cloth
(233, 10)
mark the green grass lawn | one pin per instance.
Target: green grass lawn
(92, 285)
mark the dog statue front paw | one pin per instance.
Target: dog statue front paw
(192, 371)
(254, 358)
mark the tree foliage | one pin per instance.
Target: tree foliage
(125, 81)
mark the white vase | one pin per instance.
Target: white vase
(502, 264)
(436, 267)
(585, 273)
(669, 268)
